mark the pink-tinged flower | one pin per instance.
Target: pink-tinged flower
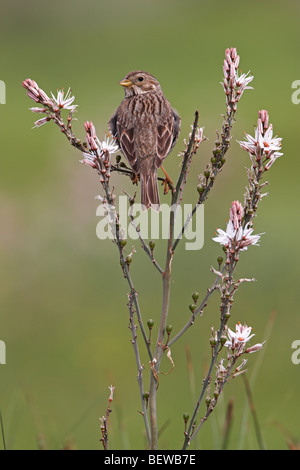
(91, 136)
(42, 121)
(233, 84)
(242, 82)
(239, 238)
(236, 237)
(64, 101)
(38, 110)
(254, 348)
(35, 93)
(238, 339)
(89, 159)
(263, 144)
(242, 335)
(109, 145)
(236, 214)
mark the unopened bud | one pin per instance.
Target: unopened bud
(128, 260)
(152, 244)
(150, 323)
(200, 189)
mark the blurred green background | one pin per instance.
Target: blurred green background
(63, 313)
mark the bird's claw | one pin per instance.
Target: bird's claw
(134, 178)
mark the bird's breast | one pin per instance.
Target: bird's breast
(146, 107)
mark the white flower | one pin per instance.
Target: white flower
(225, 238)
(263, 144)
(245, 237)
(89, 159)
(243, 80)
(109, 145)
(238, 339)
(64, 101)
(241, 237)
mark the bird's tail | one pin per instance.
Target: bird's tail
(149, 189)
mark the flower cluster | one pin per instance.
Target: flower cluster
(236, 237)
(233, 84)
(99, 155)
(263, 148)
(96, 154)
(50, 105)
(237, 340)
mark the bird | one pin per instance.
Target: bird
(146, 128)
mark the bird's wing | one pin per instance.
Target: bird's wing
(167, 135)
(124, 138)
(177, 125)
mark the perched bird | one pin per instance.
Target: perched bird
(146, 128)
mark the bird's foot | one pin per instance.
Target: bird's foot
(167, 182)
(134, 178)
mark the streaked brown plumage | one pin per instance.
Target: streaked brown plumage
(146, 128)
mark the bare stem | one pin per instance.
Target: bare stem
(140, 368)
(144, 245)
(166, 279)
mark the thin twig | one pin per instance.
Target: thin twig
(144, 245)
(140, 368)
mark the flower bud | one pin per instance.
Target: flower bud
(169, 328)
(223, 339)
(192, 307)
(200, 189)
(152, 244)
(195, 296)
(150, 323)
(186, 417)
(207, 401)
(118, 158)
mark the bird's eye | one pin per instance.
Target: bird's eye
(140, 79)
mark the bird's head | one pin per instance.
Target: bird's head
(137, 83)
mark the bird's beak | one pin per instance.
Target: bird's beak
(126, 82)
